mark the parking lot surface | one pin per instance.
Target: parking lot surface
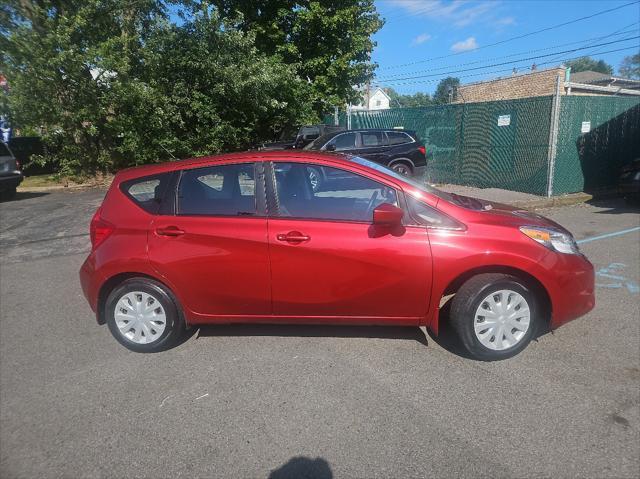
(306, 401)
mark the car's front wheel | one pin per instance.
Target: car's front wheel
(495, 316)
(142, 315)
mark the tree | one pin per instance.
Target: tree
(589, 64)
(113, 83)
(329, 42)
(630, 67)
(418, 99)
(446, 90)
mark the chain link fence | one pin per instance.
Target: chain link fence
(507, 144)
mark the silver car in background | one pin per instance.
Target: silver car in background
(10, 174)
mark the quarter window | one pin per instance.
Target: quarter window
(345, 141)
(398, 138)
(340, 195)
(147, 192)
(225, 190)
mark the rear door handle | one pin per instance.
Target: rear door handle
(169, 231)
(293, 237)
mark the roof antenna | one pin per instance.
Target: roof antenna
(162, 146)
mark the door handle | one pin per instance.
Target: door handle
(169, 231)
(293, 237)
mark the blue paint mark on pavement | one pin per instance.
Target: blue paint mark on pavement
(608, 235)
(621, 281)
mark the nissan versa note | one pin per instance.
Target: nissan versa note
(245, 238)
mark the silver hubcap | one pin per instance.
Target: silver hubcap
(501, 320)
(140, 317)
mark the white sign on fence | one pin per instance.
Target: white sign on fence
(504, 120)
(586, 127)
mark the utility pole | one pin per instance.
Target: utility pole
(336, 116)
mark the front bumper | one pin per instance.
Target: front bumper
(573, 290)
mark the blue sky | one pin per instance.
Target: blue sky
(439, 36)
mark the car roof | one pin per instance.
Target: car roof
(277, 155)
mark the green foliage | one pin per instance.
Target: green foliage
(328, 42)
(408, 101)
(630, 67)
(113, 83)
(445, 87)
(583, 64)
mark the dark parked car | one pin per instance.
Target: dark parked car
(10, 174)
(400, 150)
(306, 134)
(629, 182)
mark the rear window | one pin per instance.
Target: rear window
(147, 192)
(398, 138)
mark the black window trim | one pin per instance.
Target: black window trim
(259, 193)
(272, 197)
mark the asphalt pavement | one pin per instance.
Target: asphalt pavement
(305, 401)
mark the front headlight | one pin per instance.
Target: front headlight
(552, 239)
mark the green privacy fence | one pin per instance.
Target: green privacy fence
(506, 144)
(596, 137)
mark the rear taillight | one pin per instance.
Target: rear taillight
(422, 150)
(99, 230)
(18, 165)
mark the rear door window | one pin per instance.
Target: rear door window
(372, 139)
(224, 190)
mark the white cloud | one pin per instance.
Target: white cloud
(420, 39)
(505, 21)
(465, 45)
(460, 13)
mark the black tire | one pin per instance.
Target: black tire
(174, 327)
(403, 167)
(466, 302)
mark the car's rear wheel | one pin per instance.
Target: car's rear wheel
(142, 315)
(402, 168)
(495, 316)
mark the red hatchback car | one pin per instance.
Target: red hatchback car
(245, 238)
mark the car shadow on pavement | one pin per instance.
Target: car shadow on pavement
(615, 206)
(303, 468)
(315, 331)
(23, 195)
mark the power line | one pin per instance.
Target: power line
(518, 60)
(546, 29)
(398, 82)
(616, 33)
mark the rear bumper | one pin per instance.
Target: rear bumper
(573, 294)
(631, 187)
(91, 282)
(10, 181)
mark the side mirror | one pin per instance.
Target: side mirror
(331, 147)
(387, 215)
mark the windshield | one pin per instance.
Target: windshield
(319, 142)
(458, 200)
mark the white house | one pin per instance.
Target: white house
(374, 99)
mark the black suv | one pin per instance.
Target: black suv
(400, 150)
(306, 134)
